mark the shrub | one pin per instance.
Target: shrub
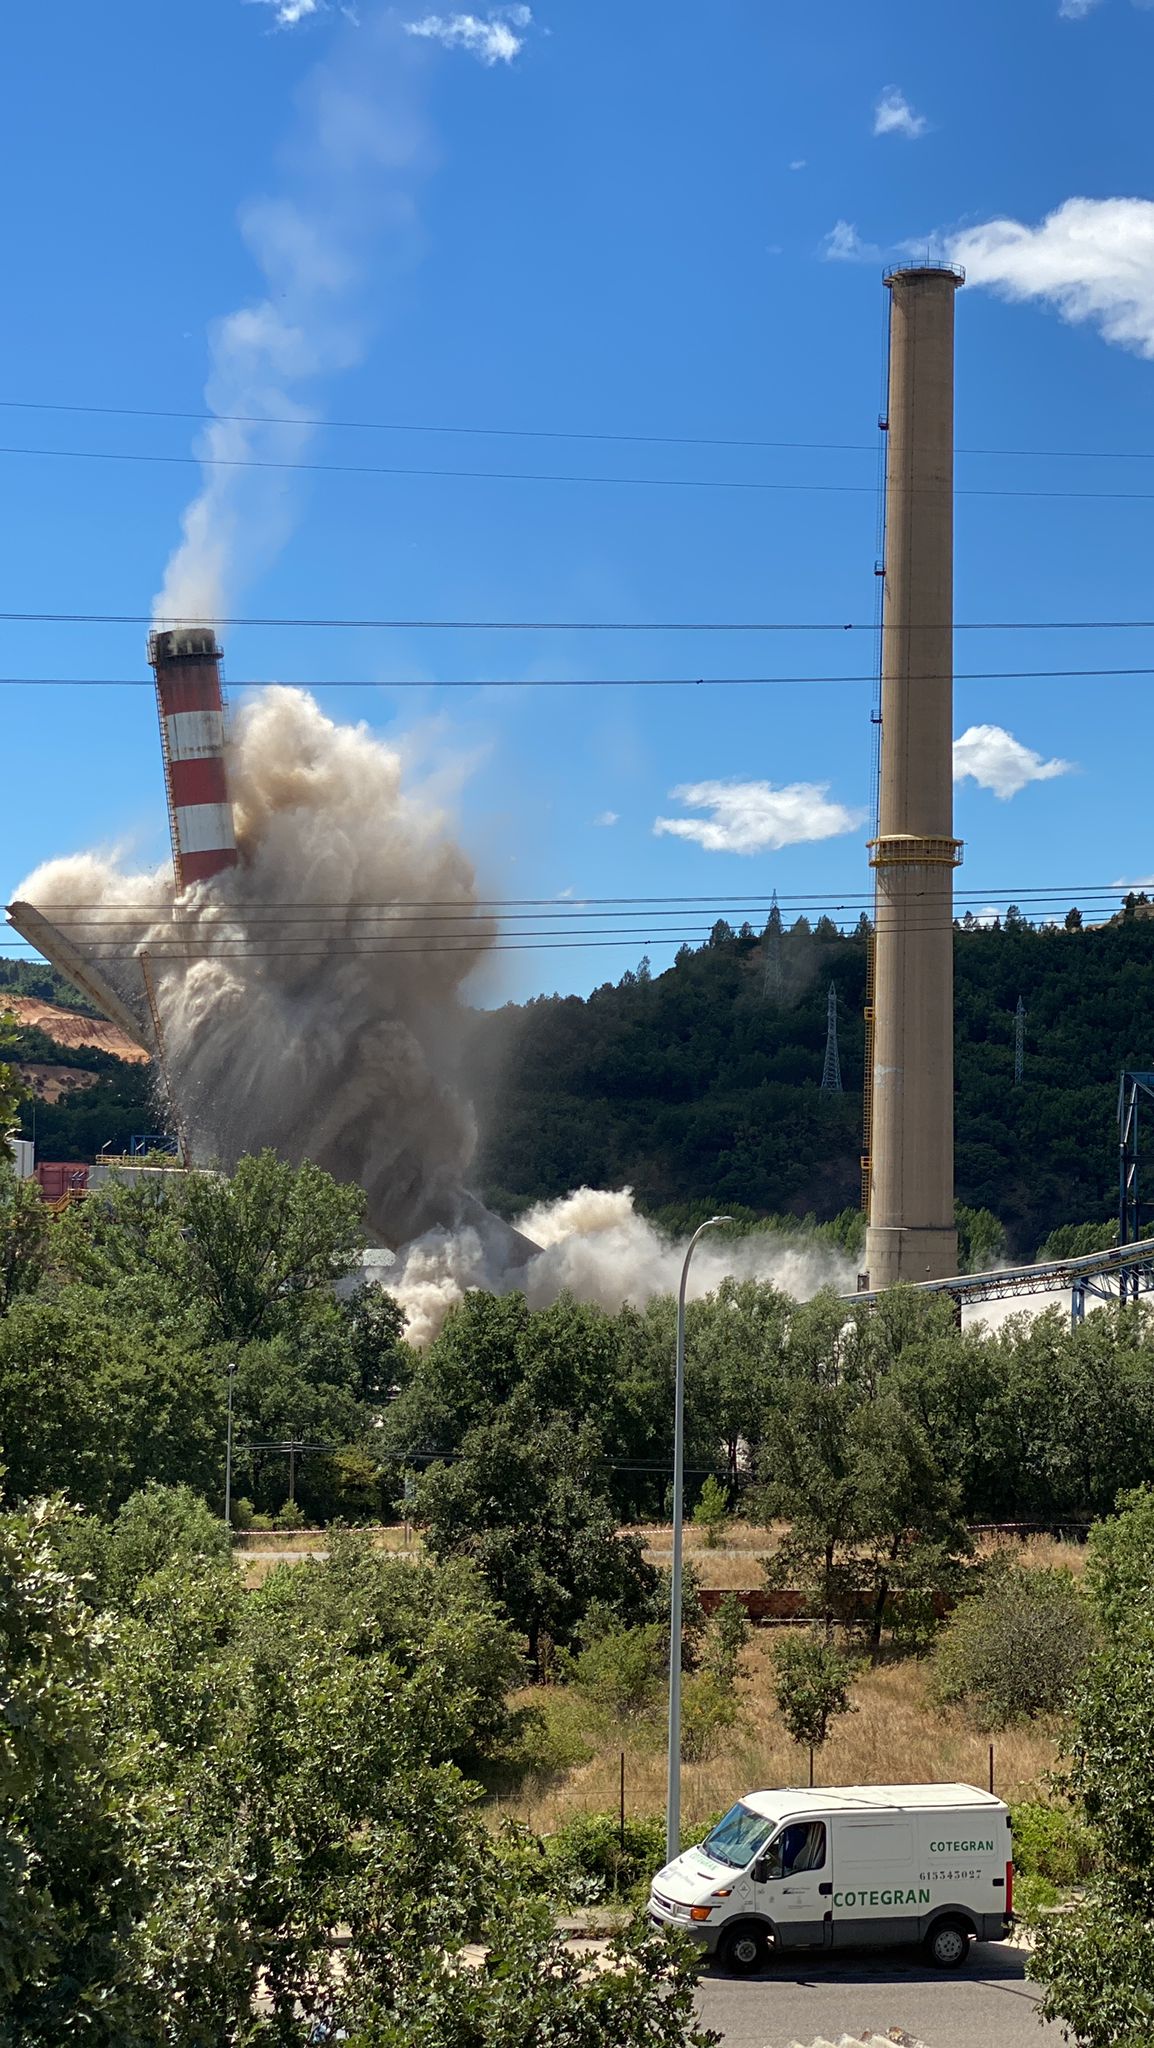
(1052, 1844)
(1032, 1895)
(243, 1514)
(708, 1710)
(549, 1739)
(623, 1670)
(290, 1516)
(694, 1623)
(1015, 1650)
(587, 1860)
(727, 1639)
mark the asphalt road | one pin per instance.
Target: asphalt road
(987, 2005)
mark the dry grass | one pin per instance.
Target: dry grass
(895, 1737)
(736, 1563)
(1044, 1553)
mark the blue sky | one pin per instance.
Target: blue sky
(602, 219)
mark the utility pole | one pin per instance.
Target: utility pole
(231, 1370)
(673, 1764)
(831, 1072)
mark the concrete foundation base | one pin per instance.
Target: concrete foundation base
(904, 1252)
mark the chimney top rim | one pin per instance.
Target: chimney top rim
(904, 272)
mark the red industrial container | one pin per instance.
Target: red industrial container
(60, 1177)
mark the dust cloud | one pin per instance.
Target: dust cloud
(312, 999)
(594, 1245)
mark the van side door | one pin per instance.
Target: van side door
(876, 1896)
(793, 1884)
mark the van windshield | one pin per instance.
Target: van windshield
(737, 1839)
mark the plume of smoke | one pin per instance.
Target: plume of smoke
(348, 173)
(594, 1245)
(330, 1033)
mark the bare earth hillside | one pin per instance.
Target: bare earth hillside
(68, 1027)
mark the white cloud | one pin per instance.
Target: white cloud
(893, 115)
(798, 164)
(1077, 10)
(1091, 258)
(843, 244)
(606, 818)
(493, 39)
(290, 12)
(994, 759)
(756, 817)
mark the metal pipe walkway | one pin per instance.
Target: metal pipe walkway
(1119, 1274)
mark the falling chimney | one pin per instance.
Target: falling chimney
(911, 1234)
(191, 706)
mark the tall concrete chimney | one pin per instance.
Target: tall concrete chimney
(190, 702)
(910, 1143)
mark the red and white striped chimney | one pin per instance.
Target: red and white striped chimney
(191, 706)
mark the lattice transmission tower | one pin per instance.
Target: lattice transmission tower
(773, 979)
(831, 1072)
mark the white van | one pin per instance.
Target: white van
(852, 1866)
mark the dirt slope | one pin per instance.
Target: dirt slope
(68, 1027)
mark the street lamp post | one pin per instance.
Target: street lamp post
(673, 1780)
(231, 1370)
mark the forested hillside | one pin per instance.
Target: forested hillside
(702, 1084)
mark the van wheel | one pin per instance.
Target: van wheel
(745, 1952)
(947, 1945)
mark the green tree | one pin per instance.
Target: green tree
(727, 1638)
(12, 1089)
(1120, 1561)
(94, 1405)
(873, 1509)
(75, 1882)
(981, 1239)
(252, 1253)
(188, 1811)
(24, 1227)
(526, 1501)
(1096, 1964)
(711, 1513)
(812, 1681)
(156, 1527)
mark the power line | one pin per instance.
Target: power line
(140, 412)
(848, 899)
(577, 625)
(521, 476)
(994, 675)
